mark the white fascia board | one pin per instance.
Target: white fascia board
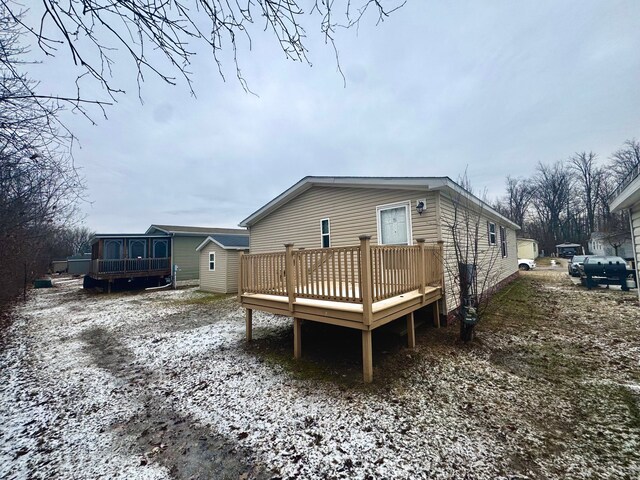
(627, 198)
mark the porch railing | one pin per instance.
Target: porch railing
(130, 265)
(363, 274)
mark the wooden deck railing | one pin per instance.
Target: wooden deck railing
(130, 265)
(364, 274)
(328, 274)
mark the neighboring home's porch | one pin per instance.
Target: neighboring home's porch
(130, 256)
(361, 287)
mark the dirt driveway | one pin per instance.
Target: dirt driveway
(162, 385)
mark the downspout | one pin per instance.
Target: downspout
(635, 252)
(174, 272)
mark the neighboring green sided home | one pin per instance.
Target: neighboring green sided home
(219, 260)
(185, 240)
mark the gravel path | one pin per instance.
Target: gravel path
(161, 385)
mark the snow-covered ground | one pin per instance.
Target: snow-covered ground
(161, 385)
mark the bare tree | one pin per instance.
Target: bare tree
(39, 185)
(475, 273)
(159, 36)
(515, 204)
(589, 182)
(625, 160)
(552, 196)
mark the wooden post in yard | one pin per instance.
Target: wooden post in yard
(248, 320)
(297, 338)
(289, 274)
(365, 279)
(421, 268)
(367, 357)
(411, 331)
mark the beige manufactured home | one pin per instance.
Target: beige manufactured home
(219, 260)
(361, 251)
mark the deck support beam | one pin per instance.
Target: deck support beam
(411, 331)
(367, 357)
(248, 320)
(436, 314)
(297, 338)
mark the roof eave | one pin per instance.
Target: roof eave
(428, 183)
(627, 198)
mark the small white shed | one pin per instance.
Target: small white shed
(527, 248)
(219, 260)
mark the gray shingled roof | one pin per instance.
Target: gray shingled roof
(227, 241)
(197, 230)
(231, 242)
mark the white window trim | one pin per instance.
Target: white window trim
(407, 205)
(212, 261)
(495, 235)
(328, 234)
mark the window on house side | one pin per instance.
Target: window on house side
(325, 233)
(503, 241)
(491, 227)
(212, 261)
(393, 224)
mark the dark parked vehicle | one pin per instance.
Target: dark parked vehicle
(604, 270)
(574, 263)
(567, 253)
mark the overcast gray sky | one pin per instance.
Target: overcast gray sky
(495, 85)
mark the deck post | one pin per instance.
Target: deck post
(436, 314)
(289, 273)
(367, 357)
(240, 276)
(421, 268)
(297, 338)
(365, 279)
(411, 331)
(248, 320)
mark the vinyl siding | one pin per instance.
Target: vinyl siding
(186, 256)
(215, 281)
(489, 255)
(526, 249)
(233, 264)
(351, 211)
(635, 224)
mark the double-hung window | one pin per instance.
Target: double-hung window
(394, 224)
(491, 231)
(212, 261)
(325, 233)
(503, 241)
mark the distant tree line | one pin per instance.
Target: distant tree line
(39, 184)
(568, 200)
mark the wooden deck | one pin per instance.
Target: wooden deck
(362, 287)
